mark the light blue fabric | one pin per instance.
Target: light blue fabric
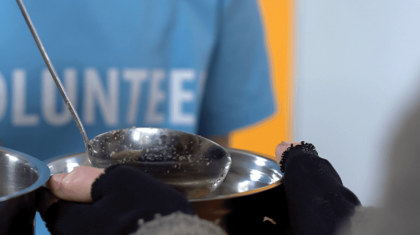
(195, 66)
(40, 228)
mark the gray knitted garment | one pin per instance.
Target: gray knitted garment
(178, 224)
(400, 210)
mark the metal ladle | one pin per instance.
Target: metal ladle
(53, 72)
(193, 164)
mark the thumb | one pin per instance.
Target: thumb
(283, 147)
(280, 149)
(76, 185)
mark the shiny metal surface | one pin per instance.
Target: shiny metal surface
(250, 176)
(192, 164)
(250, 173)
(20, 176)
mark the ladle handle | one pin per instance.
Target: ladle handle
(53, 72)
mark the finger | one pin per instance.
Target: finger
(76, 185)
(280, 149)
(283, 147)
(54, 184)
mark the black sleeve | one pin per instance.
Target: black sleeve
(121, 197)
(317, 201)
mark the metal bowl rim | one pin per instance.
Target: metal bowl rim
(41, 167)
(250, 192)
(221, 197)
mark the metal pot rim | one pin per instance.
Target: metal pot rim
(250, 192)
(41, 168)
(221, 197)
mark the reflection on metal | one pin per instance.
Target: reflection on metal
(260, 162)
(11, 158)
(20, 176)
(243, 186)
(194, 165)
(256, 176)
(72, 165)
(136, 136)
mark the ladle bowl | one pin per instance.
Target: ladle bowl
(194, 165)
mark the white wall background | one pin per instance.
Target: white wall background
(357, 70)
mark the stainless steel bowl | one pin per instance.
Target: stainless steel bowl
(250, 176)
(20, 176)
(194, 165)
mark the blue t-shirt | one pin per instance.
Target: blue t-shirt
(195, 66)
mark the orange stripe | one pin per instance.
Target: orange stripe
(264, 137)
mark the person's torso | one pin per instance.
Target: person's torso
(123, 63)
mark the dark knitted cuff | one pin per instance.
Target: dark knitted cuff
(303, 147)
(132, 187)
(96, 196)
